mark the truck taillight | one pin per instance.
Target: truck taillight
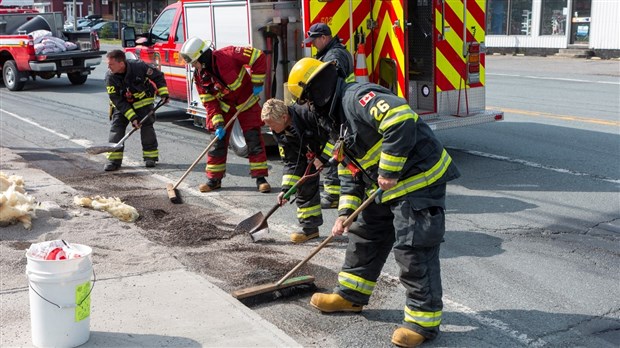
(473, 58)
(30, 47)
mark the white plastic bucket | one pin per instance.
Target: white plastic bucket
(60, 299)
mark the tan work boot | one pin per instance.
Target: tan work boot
(211, 185)
(262, 185)
(404, 337)
(300, 237)
(329, 303)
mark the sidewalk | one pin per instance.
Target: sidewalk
(142, 295)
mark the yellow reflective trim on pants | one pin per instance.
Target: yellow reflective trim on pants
(258, 165)
(216, 168)
(304, 213)
(332, 189)
(424, 319)
(150, 154)
(114, 155)
(397, 115)
(419, 181)
(328, 149)
(349, 202)
(356, 283)
(350, 78)
(290, 180)
(391, 163)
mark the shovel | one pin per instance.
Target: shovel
(256, 225)
(285, 282)
(171, 189)
(111, 147)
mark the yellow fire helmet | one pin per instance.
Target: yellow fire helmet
(193, 48)
(302, 74)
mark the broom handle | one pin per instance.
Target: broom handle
(204, 152)
(133, 129)
(346, 222)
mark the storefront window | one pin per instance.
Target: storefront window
(496, 17)
(520, 17)
(553, 18)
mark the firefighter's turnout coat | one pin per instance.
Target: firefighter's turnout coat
(131, 97)
(299, 144)
(384, 136)
(335, 50)
(224, 89)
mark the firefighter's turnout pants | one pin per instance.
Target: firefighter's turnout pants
(308, 199)
(415, 235)
(118, 126)
(216, 157)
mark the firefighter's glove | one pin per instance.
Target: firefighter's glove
(257, 89)
(220, 132)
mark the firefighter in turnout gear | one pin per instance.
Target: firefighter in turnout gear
(394, 149)
(131, 87)
(328, 49)
(224, 85)
(299, 140)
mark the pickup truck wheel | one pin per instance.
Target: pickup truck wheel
(237, 140)
(12, 76)
(77, 78)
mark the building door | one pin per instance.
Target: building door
(580, 22)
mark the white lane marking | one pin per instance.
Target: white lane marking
(554, 78)
(495, 323)
(81, 142)
(534, 164)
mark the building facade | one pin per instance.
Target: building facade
(139, 13)
(544, 27)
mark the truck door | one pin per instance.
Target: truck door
(388, 40)
(421, 56)
(459, 72)
(168, 37)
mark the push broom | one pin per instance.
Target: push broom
(288, 282)
(172, 189)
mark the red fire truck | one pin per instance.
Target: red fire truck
(430, 52)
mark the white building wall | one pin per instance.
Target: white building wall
(604, 29)
(605, 26)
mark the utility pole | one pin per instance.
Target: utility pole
(118, 6)
(74, 15)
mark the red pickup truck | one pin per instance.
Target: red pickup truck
(35, 45)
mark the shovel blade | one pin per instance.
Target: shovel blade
(250, 224)
(259, 234)
(97, 149)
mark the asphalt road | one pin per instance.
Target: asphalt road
(532, 248)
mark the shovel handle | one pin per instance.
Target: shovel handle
(204, 152)
(133, 129)
(347, 222)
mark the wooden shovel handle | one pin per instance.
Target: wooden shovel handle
(347, 222)
(204, 152)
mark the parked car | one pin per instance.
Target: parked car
(84, 23)
(107, 30)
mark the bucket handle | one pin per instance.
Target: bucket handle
(71, 305)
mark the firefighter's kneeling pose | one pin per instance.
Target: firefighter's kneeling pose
(395, 149)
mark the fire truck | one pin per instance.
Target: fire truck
(430, 52)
